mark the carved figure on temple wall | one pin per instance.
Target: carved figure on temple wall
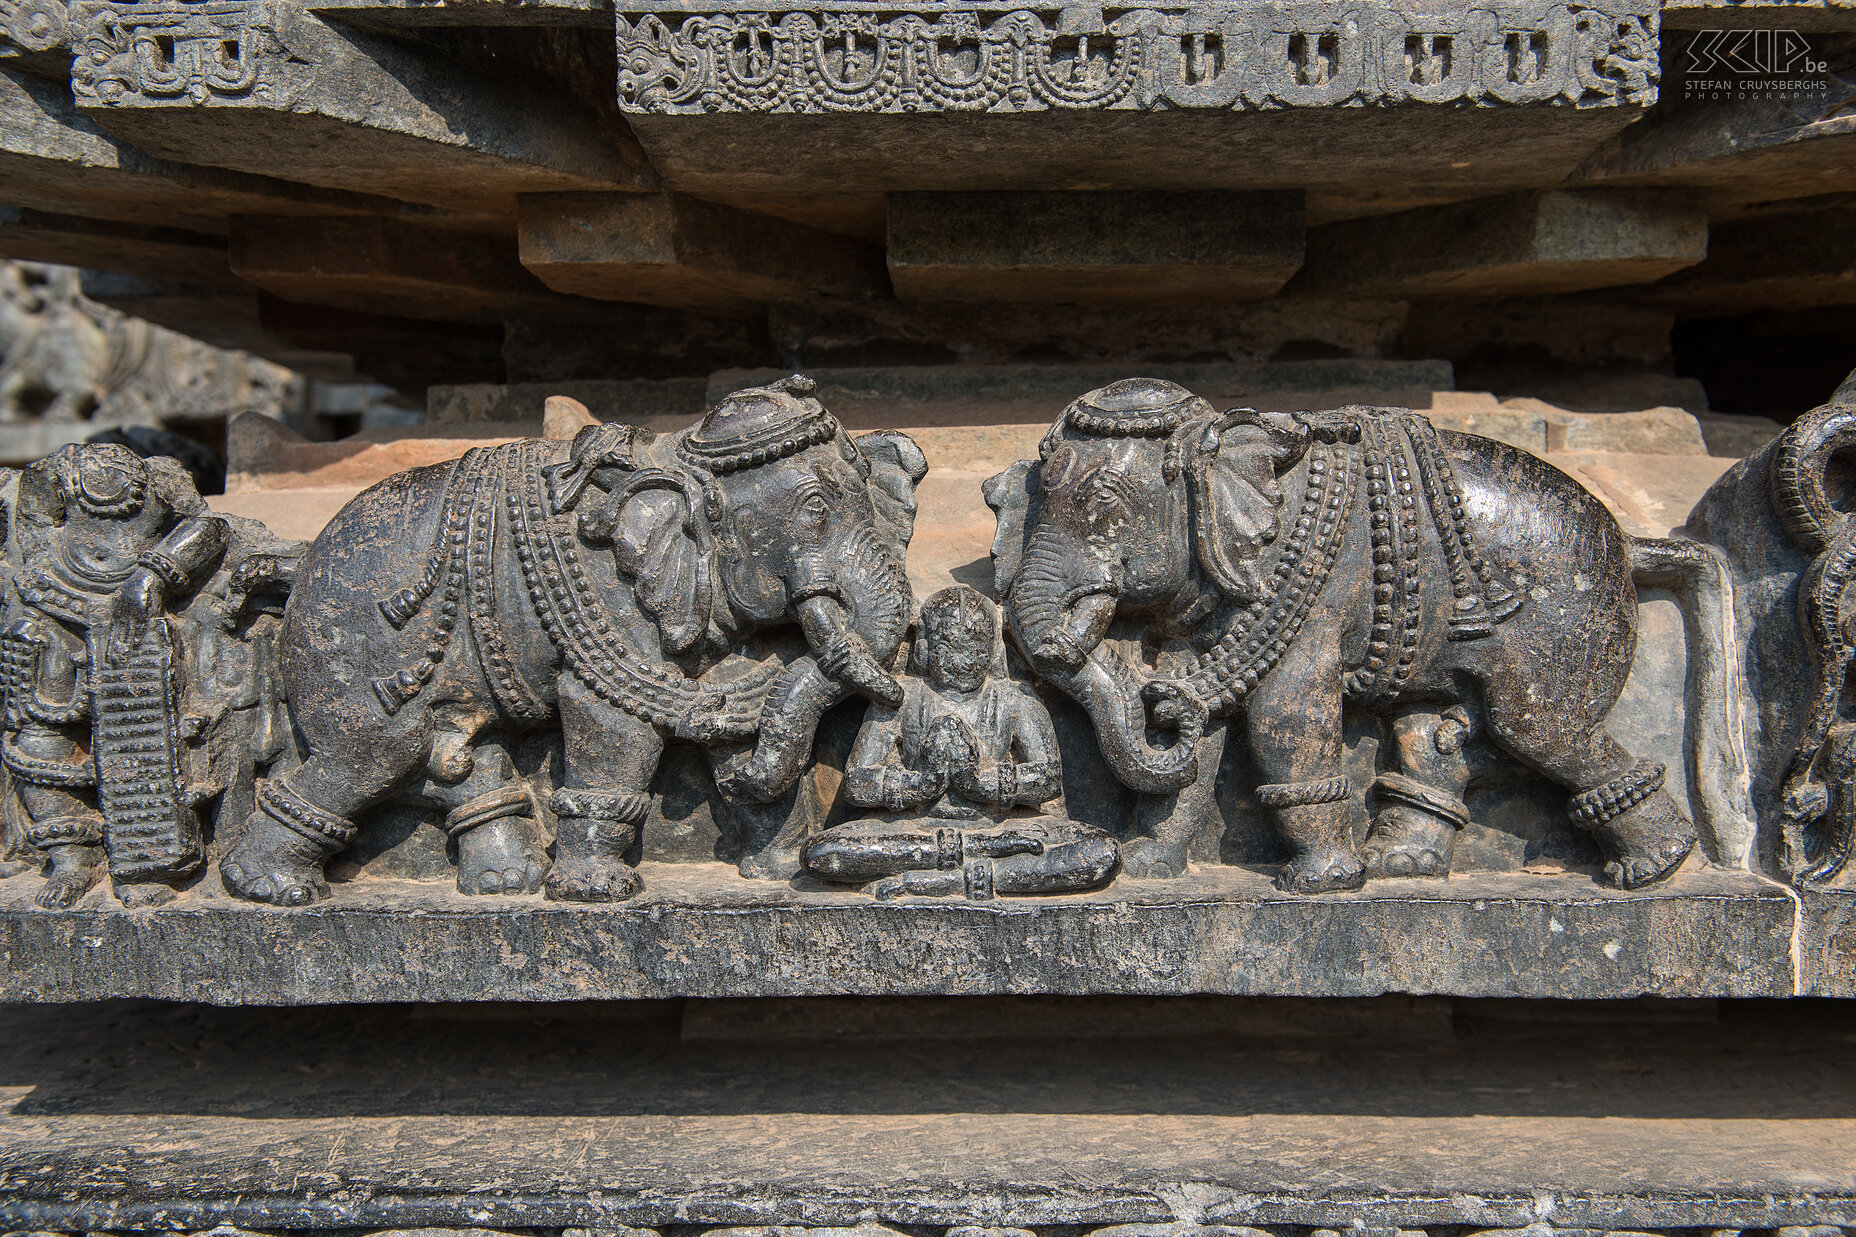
(1170, 567)
(137, 686)
(961, 771)
(724, 585)
(1782, 515)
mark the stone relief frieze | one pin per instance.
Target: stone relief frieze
(1212, 647)
(156, 51)
(894, 59)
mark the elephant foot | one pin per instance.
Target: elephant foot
(275, 865)
(1644, 844)
(500, 856)
(1150, 858)
(141, 895)
(1408, 842)
(586, 879)
(776, 863)
(1322, 871)
(73, 870)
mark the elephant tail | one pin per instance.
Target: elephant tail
(1699, 577)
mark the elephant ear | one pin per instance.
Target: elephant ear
(654, 547)
(896, 468)
(1238, 501)
(1010, 495)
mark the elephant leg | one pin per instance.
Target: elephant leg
(771, 836)
(69, 830)
(1642, 833)
(1293, 722)
(1166, 824)
(611, 758)
(492, 818)
(1420, 807)
(307, 815)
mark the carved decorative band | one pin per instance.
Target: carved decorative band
(1246, 55)
(1397, 788)
(299, 815)
(1303, 794)
(145, 52)
(624, 807)
(66, 831)
(170, 572)
(505, 801)
(1603, 804)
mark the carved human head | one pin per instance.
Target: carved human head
(102, 480)
(958, 631)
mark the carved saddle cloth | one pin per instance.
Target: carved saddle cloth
(499, 512)
(1400, 464)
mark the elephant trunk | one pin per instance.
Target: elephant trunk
(852, 627)
(1109, 695)
(1061, 627)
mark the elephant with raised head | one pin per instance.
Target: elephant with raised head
(1168, 566)
(627, 590)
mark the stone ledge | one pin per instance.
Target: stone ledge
(699, 930)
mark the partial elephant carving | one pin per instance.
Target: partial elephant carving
(628, 590)
(1170, 567)
(1783, 515)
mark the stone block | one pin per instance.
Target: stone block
(1759, 15)
(1746, 149)
(1533, 243)
(425, 14)
(226, 317)
(334, 106)
(640, 401)
(1118, 248)
(673, 59)
(1786, 262)
(157, 252)
(380, 266)
(666, 249)
(54, 158)
(700, 930)
(930, 395)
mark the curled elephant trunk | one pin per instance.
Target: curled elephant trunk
(1109, 695)
(852, 630)
(1060, 625)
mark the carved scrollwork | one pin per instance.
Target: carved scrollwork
(154, 51)
(1239, 55)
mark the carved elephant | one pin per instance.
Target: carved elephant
(1285, 569)
(1782, 515)
(629, 590)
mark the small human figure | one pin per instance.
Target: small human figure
(960, 772)
(105, 631)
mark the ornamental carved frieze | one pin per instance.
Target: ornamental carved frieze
(185, 51)
(1241, 56)
(33, 26)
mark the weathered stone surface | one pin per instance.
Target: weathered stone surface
(1115, 248)
(379, 266)
(698, 929)
(1009, 394)
(1745, 147)
(418, 14)
(1551, 1117)
(1827, 942)
(1536, 243)
(336, 107)
(666, 249)
(1759, 14)
(56, 159)
(222, 316)
(1236, 55)
(1789, 262)
(641, 401)
(158, 252)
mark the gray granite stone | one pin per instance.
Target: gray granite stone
(700, 930)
